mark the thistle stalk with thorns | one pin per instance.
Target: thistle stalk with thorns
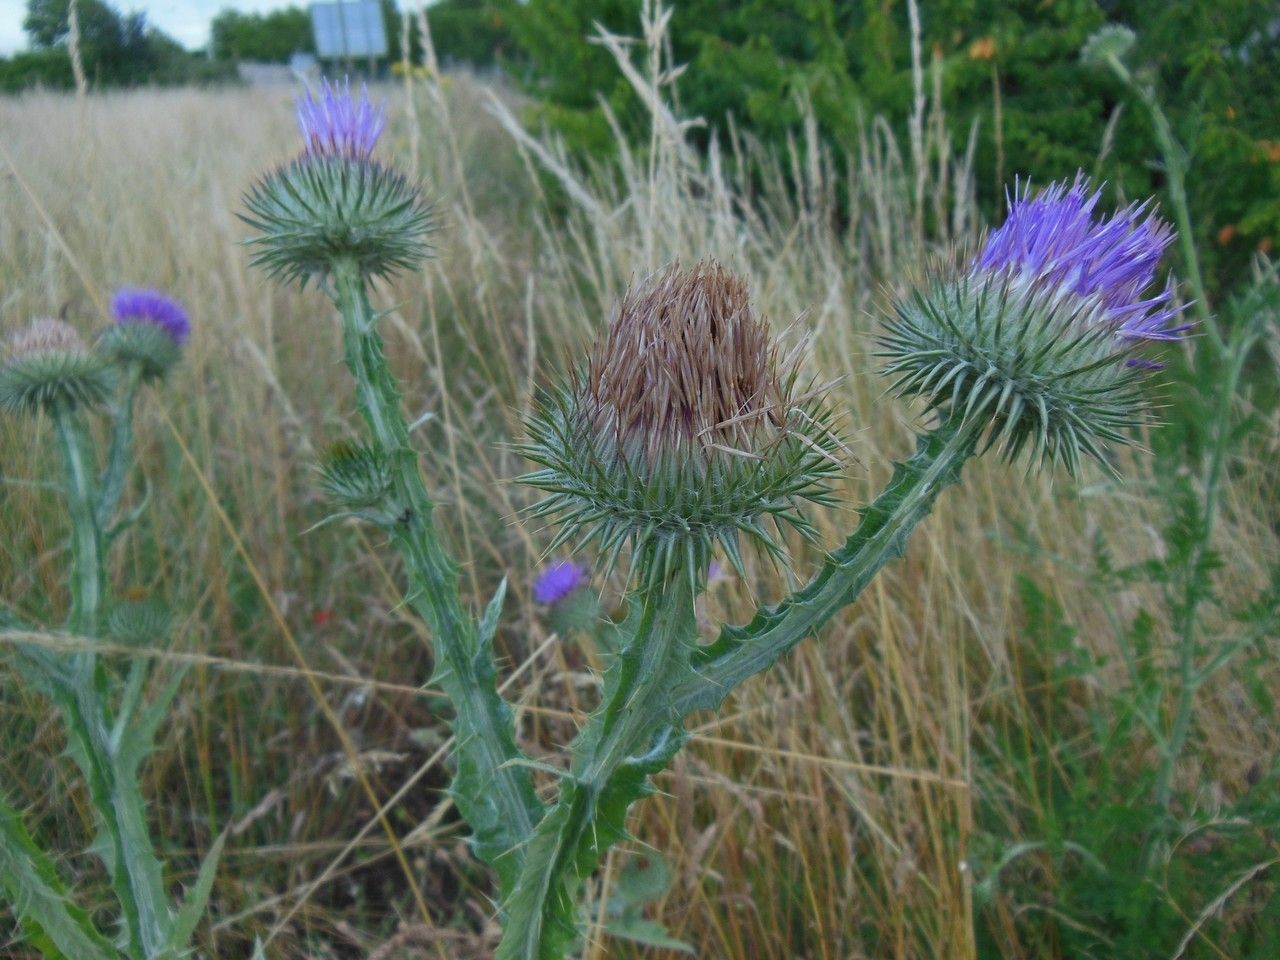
(49, 371)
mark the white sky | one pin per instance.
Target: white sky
(187, 21)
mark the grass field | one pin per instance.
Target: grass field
(852, 803)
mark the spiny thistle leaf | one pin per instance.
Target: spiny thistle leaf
(51, 921)
(634, 734)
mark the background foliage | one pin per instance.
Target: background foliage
(118, 49)
(1010, 68)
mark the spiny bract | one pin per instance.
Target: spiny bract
(150, 329)
(1042, 335)
(358, 478)
(335, 202)
(683, 430)
(49, 367)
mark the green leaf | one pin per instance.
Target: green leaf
(489, 622)
(184, 924)
(648, 933)
(51, 922)
(642, 881)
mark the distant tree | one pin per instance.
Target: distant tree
(118, 49)
(48, 21)
(114, 46)
(470, 31)
(270, 38)
(1013, 66)
(473, 32)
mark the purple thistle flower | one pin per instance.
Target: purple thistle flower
(557, 581)
(1055, 239)
(337, 124)
(141, 305)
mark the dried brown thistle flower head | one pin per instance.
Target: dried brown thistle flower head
(684, 428)
(686, 366)
(44, 335)
(48, 366)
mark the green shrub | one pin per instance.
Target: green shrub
(1214, 65)
(36, 68)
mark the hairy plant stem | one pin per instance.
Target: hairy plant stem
(1236, 353)
(87, 576)
(492, 789)
(83, 694)
(634, 733)
(120, 454)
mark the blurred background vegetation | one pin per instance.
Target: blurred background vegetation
(1009, 74)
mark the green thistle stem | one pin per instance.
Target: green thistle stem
(1175, 166)
(87, 578)
(494, 792)
(121, 451)
(662, 676)
(743, 651)
(634, 734)
(82, 692)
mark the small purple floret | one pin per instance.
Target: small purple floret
(557, 581)
(140, 305)
(1054, 238)
(339, 125)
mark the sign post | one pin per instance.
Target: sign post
(345, 29)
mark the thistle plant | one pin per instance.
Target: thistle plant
(687, 433)
(50, 371)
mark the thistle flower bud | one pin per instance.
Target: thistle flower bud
(1043, 333)
(1110, 41)
(558, 581)
(49, 367)
(358, 478)
(150, 329)
(139, 622)
(684, 429)
(335, 201)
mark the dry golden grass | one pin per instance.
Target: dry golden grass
(826, 814)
